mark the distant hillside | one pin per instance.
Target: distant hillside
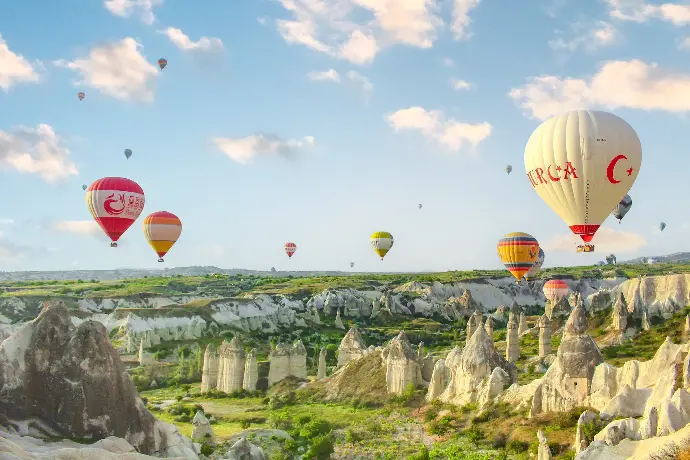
(675, 258)
(124, 273)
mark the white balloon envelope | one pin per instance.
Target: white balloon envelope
(582, 164)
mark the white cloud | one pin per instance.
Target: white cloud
(327, 75)
(629, 84)
(606, 240)
(356, 30)
(361, 82)
(261, 20)
(78, 227)
(36, 151)
(125, 8)
(433, 125)
(448, 62)
(461, 18)
(458, 84)
(116, 69)
(182, 41)
(640, 11)
(588, 38)
(684, 43)
(10, 252)
(14, 68)
(243, 150)
(5, 221)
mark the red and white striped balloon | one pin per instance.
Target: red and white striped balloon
(290, 249)
(555, 290)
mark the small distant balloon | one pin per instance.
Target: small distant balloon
(381, 242)
(128, 153)
(84, 187)
(81, 96)
(662, 226)
(162, 63)
(509, 169)
(162, 230)
(622, 208)
(352, 264)
(420, 205)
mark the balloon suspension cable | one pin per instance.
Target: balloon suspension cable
(161, 260)
(113, 244)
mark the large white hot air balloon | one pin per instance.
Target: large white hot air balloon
(582, 164)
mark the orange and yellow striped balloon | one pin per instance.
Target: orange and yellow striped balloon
(162, 229)
(518, 252)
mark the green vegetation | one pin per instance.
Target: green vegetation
(222, 286)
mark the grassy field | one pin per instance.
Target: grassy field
(231, 285)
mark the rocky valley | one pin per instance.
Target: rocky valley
(457, 365)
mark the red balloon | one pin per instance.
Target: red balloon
(115, 203)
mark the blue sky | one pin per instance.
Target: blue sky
(336, 120)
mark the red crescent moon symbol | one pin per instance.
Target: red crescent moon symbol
(612, 166)
(548, 171)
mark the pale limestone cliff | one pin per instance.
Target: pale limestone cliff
(209, 373)
(489, 326)
(286, 360)
(544, 336)
(512, 339)
(402, 368)
(351, 347)
(567, 382)
(251, 371)
(440, 378)
(231, 358)
(322, 372)
(522, 328)
(619, 316)
(478, 374)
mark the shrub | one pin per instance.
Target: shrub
(516, 446)
(423, 454)
(321, 448)
(245, 423)
(315, 428)
(474, 434)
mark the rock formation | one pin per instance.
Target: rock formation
(351, 347)
(581, 442)
(69, 382)
(522, 328)
(512, 339)
(209, 373)
(619, 317)
(567, 382)
(287, 360)
(489, 326)
(440, 378)
(203, 433)
(561, 308)
(645, 320)
(402, 368)
(245, 450)
(231, 358)
(338, 321)
(478, 374)
(474, 323)
(687, 324)
(543, 452)
(544, 336)
(322, 372)
(251, 371)
(144, 357)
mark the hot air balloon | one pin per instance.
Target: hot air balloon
(81, 96)
(509, 169)
(115, 203)
(582, 164)
(622, 208)
(662, 226)
(611, 259)
(531, 275)
(420, 205)
(162, 63)
(162, 229)
(555, 290)
(518, 252)
(84, 187)
(290, 249)
(352, 264)
(128, 153)
(382, 242)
